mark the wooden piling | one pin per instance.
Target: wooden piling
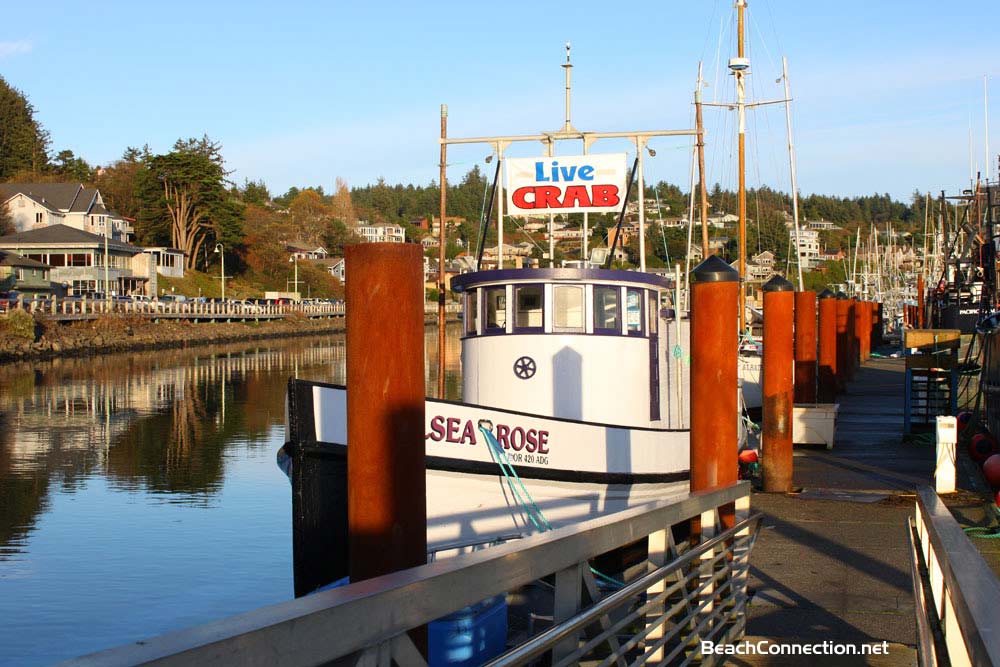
(386, 468)
(827, 353)
(805, 347)
(779, 300)
(843, 341)
(714, 380)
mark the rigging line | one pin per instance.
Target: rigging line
(751, 19)
(774, 27)
(708, 31)
(718, 58)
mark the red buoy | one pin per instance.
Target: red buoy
(991, 471)
(982, 446)
(964, 419)
(748, 456)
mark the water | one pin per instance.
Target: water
(139, 492)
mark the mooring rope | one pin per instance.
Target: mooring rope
(528, 504)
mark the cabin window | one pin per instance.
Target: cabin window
(652, 311)
(633, 311)
(529, 315)
(471, 312)
(607, 310)
(496, 309)
(567, 308)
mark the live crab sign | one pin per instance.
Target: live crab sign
(566, 184)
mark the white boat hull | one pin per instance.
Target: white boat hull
(572, 470)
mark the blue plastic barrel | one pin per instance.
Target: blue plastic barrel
(470, 636)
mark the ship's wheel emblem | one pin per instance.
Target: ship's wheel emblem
(524, 368)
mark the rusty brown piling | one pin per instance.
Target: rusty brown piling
(805, 347)
(879, 325)
(852, 341)
(827, 352)
(920, 302)
(779, 301)
(387, 495)
(714, 341)
(860, 346)
(843, 341)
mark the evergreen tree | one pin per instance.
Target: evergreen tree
(24, 144)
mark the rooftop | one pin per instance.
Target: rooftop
(64, 235)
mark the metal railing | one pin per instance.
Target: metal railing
(956, 594)
(689, 590)
(72, 308)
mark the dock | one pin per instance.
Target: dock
(833, 561)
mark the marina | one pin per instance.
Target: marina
(555, 411)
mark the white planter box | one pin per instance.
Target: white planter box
(814, 423)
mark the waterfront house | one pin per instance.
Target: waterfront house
(77, 260)
(37, 205)
(168, 262)
(22, 274)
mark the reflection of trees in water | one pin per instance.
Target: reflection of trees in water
(156, 421)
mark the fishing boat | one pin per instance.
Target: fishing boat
(571, 404)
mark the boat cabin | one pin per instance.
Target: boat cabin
(574, 343)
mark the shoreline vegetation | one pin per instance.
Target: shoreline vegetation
(24, 338)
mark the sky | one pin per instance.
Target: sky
(300, 93)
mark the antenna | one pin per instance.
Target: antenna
(568, 126)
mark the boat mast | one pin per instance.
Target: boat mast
(986, 121)
(700, 127)
(791, 161)
(739, 66)
(442, 240)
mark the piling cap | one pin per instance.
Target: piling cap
(778, 284)
(841, 296)
(827, 294)
(714, 270)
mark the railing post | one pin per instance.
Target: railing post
(566, 603)
(777, 387)
(805, 347)
(947, 439)
(387, 493)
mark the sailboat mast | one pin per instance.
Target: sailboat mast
(791, 162)
(700, 127)
(739, 70)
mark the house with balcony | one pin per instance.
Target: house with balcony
(21, 274)
(806, 243)
(381, 233)
(82, 263)
(37, 205)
